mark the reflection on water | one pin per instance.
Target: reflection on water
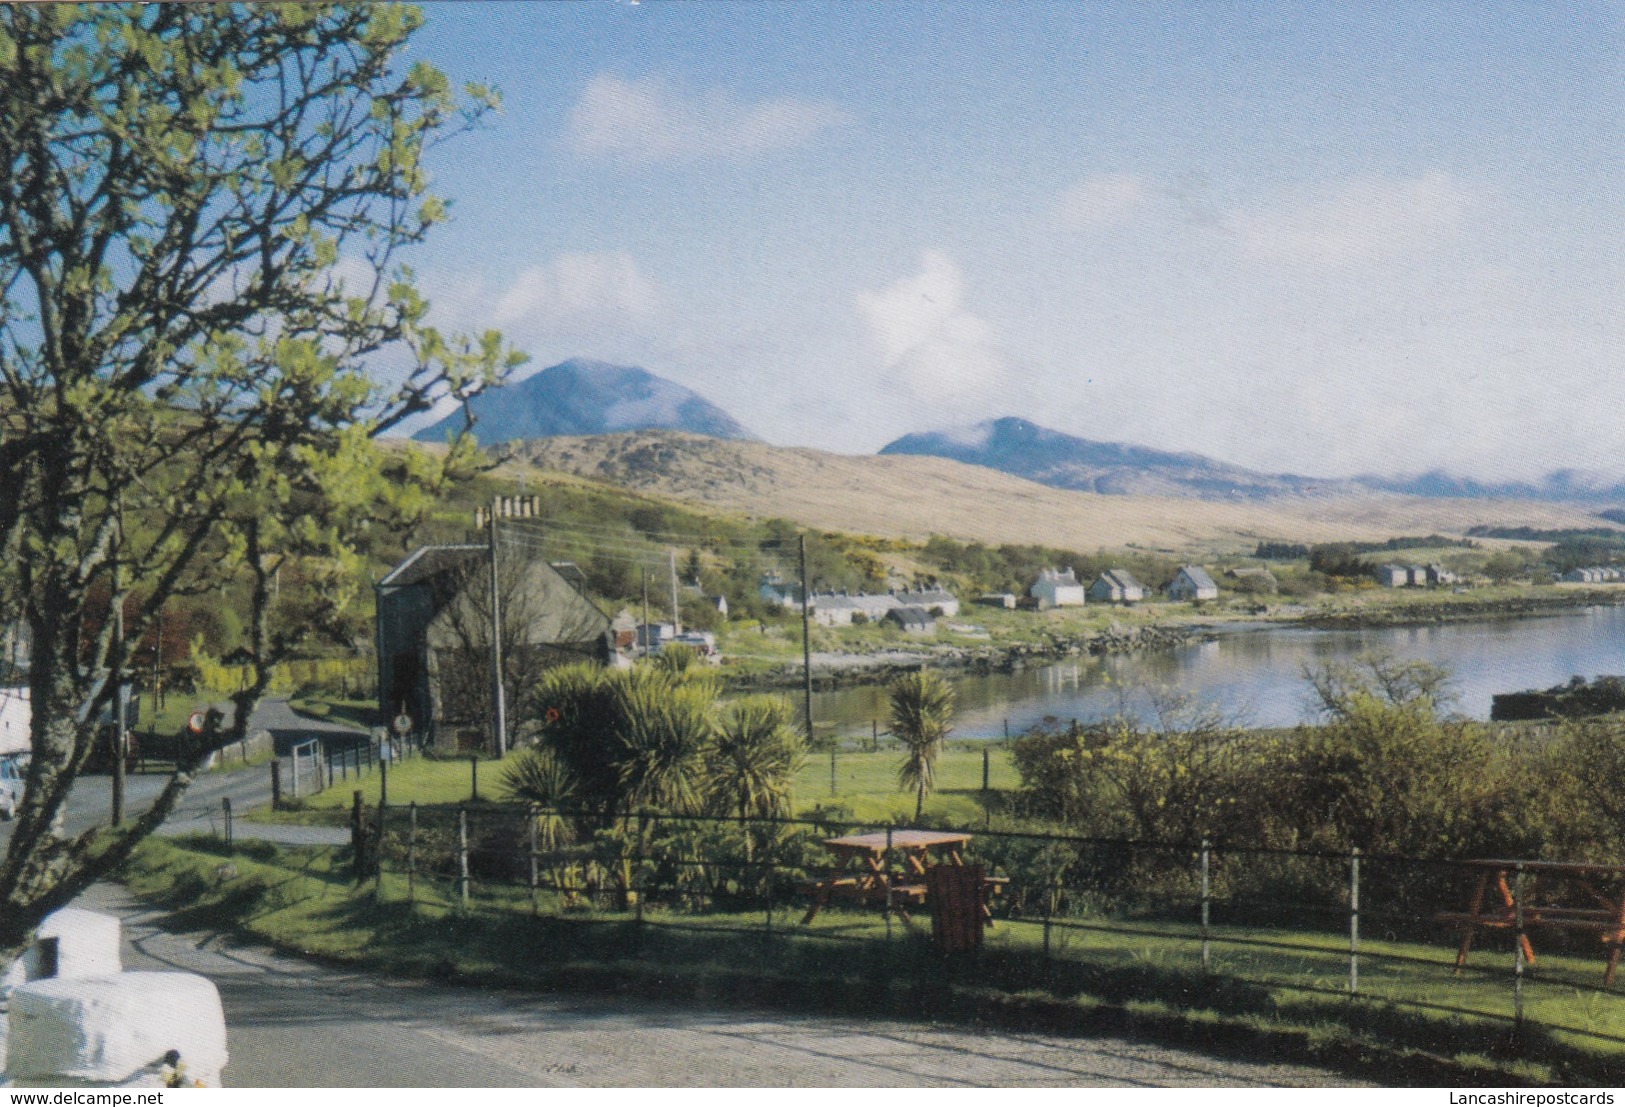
(1256, 673)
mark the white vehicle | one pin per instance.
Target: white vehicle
(11, 785)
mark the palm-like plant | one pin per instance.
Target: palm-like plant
(540, 777)
(665, 727)
(756, 757)
(922, 706)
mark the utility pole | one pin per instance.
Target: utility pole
(806, 635)
(676, 627)
(645, 571)
(496, 642)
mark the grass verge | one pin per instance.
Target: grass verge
(304, 901)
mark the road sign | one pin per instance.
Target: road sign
(195, 721)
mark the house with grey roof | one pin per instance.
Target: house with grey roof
(912, 620)
(434, 637)
(1392, 576)
(1116, 586)
(1192, 583)
(932, 598)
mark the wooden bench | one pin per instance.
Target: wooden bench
(1606, 921)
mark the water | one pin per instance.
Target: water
(1255, 673)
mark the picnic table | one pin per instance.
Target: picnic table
(859, 872)
(1600, 907)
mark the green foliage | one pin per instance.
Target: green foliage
(757, 755)
(656, 736)
(200, 222)
(922, 709)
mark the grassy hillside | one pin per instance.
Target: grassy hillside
(915, 497)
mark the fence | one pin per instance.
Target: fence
(1147, 915)
(313, 766)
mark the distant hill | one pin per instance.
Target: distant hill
(1110, 468)
(915, 497)
(588, 397)
(1063, 461)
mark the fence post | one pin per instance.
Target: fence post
(383, 784)
(1207, 853)
(474, 778)
(293, 763)
(1517, 952)
(225, 804)
(1049, 903)
(358, 836)
(885, 879)
(832, 770)
(534, 815)
(462, 856)
(378, 838)
(984, 773)
(770, 866)
(1354, 921)
(412, 853)
(276, 782)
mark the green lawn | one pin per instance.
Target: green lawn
(1415, 1023)
(865, 784)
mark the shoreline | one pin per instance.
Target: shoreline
(834, 670)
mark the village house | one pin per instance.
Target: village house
(833, 609)
(1116, 586)
(936, 600)
(778, 593)
(1057, 588)
(1192, 583)
(912, 620)
(434, 636)
(1437, 574)
(1418, 576)
(1005, 600)
(1393, 576)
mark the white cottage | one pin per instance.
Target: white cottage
(1057, 588)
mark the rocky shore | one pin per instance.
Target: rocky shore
(842, 670)
(1462, 610)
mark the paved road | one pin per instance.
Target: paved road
(200, 809)
(296, 1024)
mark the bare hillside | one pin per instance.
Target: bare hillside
(914, 497)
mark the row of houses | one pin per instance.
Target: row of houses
(1062, 588)
(1595, 574)
(1414, 576)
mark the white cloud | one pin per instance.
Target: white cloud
(926, 337)
(650, 120)
(579, 290)
(1102, 200)
(1367, 218)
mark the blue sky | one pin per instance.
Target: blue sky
(1326, 238)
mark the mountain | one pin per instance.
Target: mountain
(587, 397)
(1110, 468)
(1565, 485)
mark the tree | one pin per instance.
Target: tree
(757, 754)
(200, 215)
(922, 707)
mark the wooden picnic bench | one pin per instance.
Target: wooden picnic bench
(859, 873)
(1604, 914)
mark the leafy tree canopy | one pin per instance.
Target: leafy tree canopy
(201, 208)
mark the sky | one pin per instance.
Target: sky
(1328, 239)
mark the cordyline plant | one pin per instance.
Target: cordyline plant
(200, 208)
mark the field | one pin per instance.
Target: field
(866, 785)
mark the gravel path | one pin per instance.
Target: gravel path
(297, 1024)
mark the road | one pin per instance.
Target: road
(200, 808)
(296, 1024)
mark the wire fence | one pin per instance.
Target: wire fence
(1383, 930)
